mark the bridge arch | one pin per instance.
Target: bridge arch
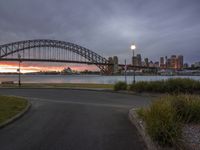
(7, 50)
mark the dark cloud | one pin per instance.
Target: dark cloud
(158, 27)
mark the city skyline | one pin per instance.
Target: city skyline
(158, 28)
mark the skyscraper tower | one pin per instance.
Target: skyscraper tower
(139, 60)
(162, 63)
(180, 62)
(146, 60)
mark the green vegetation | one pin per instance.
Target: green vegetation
(59, 85)
(120, 86)
(187, 108)
(10, 106)
(178, 85)
(164, 117)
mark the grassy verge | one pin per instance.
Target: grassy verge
(60, 85)
(165, 116)
(10, 106)
(120, 86)
(178, 85)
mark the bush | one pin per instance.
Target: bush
(161, 123)
(178, 85)
(164, 117)
(187, 108)
(120, 86)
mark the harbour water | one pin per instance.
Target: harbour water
(84, 78)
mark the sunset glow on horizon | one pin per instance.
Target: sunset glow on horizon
(11, 67)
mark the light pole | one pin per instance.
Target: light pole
(133, 47)
(19, 73)
(125, 69)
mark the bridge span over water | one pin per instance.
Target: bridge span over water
(45, 50)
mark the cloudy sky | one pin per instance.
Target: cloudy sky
(108, 27)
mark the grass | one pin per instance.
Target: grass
(10, 106)
(178, 85)
(120, 86)
(165, 116)
(60, 85)
(187, 108)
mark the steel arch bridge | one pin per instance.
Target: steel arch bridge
(51, 51)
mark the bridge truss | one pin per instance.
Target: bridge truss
(51, 51)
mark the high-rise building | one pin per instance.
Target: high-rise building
(139, 60)
(110, 67)
(134, 61)
(173, 62)
(162, 63)
(146, 60)
(180, 62)
(166, 61)
(115, 62)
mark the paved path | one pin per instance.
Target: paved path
(73, 120)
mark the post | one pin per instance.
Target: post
(133, 47)
(133, 75)
(125, 68)
(19, 73)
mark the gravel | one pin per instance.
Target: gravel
(191, 135)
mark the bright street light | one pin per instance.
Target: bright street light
(133, 47)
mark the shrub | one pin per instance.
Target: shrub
(178, 85)
(164, 117)
(187, 108)
(120, 86)
(161, 123)
(139, 86)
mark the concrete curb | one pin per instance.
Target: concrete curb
(141, 129)
(14, 118)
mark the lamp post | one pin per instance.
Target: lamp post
(19, 73)
(133, 47)
(125, 69)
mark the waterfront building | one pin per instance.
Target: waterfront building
(143, 63)
(185, 65)
(151, 64)
(156, 64)
(197, 64)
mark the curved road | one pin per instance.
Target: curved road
(62, 119)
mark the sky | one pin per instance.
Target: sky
(107, 27)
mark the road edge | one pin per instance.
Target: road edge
(141, 129)
(17, 116)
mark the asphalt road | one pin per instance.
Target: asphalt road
(73, 120)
